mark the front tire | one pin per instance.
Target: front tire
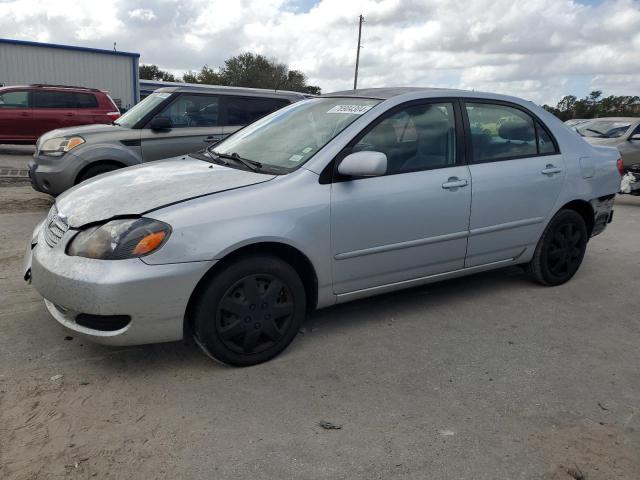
(95, 170)
(560, 250)
(250, 311)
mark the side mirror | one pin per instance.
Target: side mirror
(160, 123)
(363, 164)
(635, 136)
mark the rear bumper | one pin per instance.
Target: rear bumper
(602, 213)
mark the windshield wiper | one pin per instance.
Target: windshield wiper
(207, 156)
(596, 131)
(250, 164)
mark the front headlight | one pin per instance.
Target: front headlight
(57, 147)
(120, 239)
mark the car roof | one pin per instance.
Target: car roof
(199, 88)
(388, 92)
(617, 119)
(425, 92)
(43, 86)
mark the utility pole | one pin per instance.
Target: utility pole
(355, 80)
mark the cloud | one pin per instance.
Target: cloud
(143, 14)
(539, 49)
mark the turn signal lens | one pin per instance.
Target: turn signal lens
(149, 243)
(73, 143)
(620, 166)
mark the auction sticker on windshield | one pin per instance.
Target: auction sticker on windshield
(354, 109)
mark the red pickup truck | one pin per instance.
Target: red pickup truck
(26, 112)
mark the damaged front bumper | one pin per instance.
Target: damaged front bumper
(114, 302)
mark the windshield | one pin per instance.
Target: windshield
(140, 110)
(289, 137)
(604, 128)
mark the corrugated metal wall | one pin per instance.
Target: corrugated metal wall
(25, 64)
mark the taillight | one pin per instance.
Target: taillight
(113, 115)
(620, 166)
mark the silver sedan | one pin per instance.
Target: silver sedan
(328, 200)
(620, 132)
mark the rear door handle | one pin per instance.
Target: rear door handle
(454, 182)
(550, 170)
(212, 138)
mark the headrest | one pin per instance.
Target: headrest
(517, 130)
(433, 138)
(385, 134)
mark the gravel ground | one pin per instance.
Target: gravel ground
(486, 377)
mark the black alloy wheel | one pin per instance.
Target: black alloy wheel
(254, 314)
(561, 248)
(250, 311)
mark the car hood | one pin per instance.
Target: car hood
(82, 130)
(141, 188)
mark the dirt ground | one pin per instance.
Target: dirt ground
(485, 377)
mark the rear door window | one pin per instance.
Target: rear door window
(193, 111)
(48, 99)
(501, 132)
(14, 99)
(245, 110)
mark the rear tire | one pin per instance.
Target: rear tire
(250, 311)
(96, 170)
(560, 250)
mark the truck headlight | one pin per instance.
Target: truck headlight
(56, 147)
(120, 239)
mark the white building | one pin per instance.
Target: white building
(24, 63)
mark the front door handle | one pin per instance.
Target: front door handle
(454, 182)
(212, 138)
(550, 169)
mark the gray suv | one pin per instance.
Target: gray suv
(171, 121)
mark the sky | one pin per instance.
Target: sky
(540, 50)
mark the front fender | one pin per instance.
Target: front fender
(292, 210)
(126, 155)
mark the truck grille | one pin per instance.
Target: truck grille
(55, 227)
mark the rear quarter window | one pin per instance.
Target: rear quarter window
(86, 100)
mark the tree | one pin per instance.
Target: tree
(253, 70)
(594, 106)
(152, 72)
(190, 77)
(206, 75)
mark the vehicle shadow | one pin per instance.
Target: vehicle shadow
(186, 355)
(403, 302)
